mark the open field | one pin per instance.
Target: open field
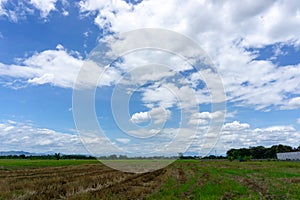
(184, 179)
(9, 164)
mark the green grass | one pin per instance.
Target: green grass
(193, 179)
(232, 180)
(21, 163)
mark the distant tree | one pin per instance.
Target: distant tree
(258, 152)
(113, 157)
(124, 157)
(270, 153)
(233, 153)
(245, 152)
(282, 148)
(22, 156)
(57, 156)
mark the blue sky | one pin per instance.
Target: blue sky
(255, 50)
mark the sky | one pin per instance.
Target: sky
(148, 101)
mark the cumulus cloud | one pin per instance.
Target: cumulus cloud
(203, 118)
(26, 137)
(2, 9)
(236, 126)
(157, 115)
(140, 117)
(254, 23)
(293, 103)
(237, 135)
(234, 135)
(46, 78)
(267, 136)
(57, 67)
(16, 10)
(226, 38)
(298, 120)
(45, 6)
(123, 140)
(276, 129)
(164, 96)
(170, 94)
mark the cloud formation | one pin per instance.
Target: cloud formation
(140, 117)
(232, 31)
(45, 6)
(57, 67)
(203, 118)
(228, 38)
(26, 137)
(16, 10)
(235, 126)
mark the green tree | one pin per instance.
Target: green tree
(22, 156)
(113, 157)
(57, 156)
(258, 152)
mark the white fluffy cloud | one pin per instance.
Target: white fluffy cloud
(169, 94)
(123, 140)
(26, 137)
(237, 135)
(20, 9)
(256, 23)
(276, 129)
(267, 136)
(2, 10)
(236, 126)
(293, 103)
(222, 30)
(203, 118)
(45, 6)
(140, 117)
(57, 67)
(234, 135)
(158, 115)
(225, 30)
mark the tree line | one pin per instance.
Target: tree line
(56, 156)
(259, 152)
(242, 154)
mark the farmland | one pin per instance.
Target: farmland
(183, 179)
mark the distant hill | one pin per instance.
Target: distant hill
(17, 153)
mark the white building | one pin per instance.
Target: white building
(289, 156)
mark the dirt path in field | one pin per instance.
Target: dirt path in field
(180, 180)
(132, 187)
(76, 182)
